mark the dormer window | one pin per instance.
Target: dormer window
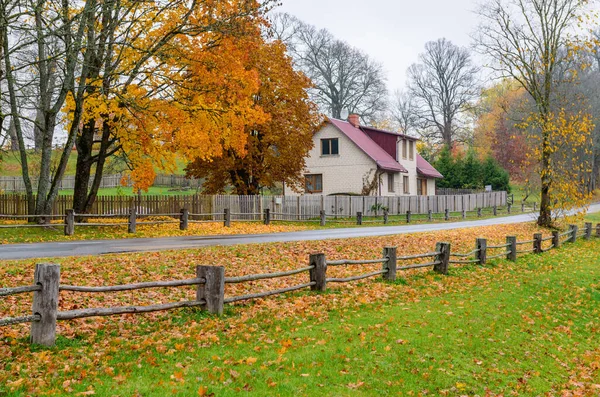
(330, 147)
(411, 150)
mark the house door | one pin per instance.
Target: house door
(422, 187)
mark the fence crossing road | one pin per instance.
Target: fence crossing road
(101, 247)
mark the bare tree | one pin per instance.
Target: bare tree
(344, 77)
(404, 112)
(528, 41)
(444, 85)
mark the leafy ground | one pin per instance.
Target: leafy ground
(55, 232)
(524, 328)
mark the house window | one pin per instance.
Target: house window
(390, 182)
(313, 183)
(330, 147)
(405, 183)
(411, 150)
(404, 148)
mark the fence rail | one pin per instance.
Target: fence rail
(210, 281)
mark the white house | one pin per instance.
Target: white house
(350, 158)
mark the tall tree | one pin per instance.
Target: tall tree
(531, 42)
(276, 148)
(344, 78)
(404, 112)
(443, 85)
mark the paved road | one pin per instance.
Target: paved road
(100, 247)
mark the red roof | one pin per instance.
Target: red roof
(426, 169)
(367, 145)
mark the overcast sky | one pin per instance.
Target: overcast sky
(393, 32)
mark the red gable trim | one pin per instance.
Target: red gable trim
(426, 169)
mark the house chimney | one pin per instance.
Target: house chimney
(354, 119)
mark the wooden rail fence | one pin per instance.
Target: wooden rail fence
(210, 281)
(184, 217)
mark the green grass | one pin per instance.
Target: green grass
(520, 329)
(128, 191)
(593, 217)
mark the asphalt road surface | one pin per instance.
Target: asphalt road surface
(101, 247)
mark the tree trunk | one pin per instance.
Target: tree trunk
(83, 170)
(545, 218)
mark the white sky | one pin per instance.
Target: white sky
(392, 32)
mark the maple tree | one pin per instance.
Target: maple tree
(531, 42)
(276, 146)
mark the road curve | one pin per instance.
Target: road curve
(101, 247)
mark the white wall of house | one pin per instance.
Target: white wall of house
(410, 165)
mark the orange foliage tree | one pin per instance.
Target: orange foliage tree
(274, 147)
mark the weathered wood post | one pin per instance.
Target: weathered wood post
(69, 222)
(598, 230)
(537, 243)
(318, 274)
(512, 248)
(534, 206)
(464, 214)
(522, 207)
(226, 217)
(442, 258)
(359, 218)
(481, 253)
(132, 220)
(573, 229)
(508, 208)
(447, 214)
(495, 209)
(45, 304)
(385, 217)
(390, 264)
(588, 230)
(212, 291)
(429, 215)
(323, 217)
(556, 238)
(267, 216)
(479, 212)
(183, 219)
(408, 216)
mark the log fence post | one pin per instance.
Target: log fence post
(481, 247)
(447, 214)
(226, 217)
(318, 274)
(45, 304)
(495, 209)
(574, 229)
(598, 230)
(69, 222)
(184, 218)
(537, 243)
(267, 220)
(323, 217)
(534, 206)
(508, 208)
(132, 220)
(390, 264)
(442, 258)
(430, 215)
(522, 207)
(512, 247)
(556, 238)
(212, 291)
(359, 218)
(408, 215)
(464, 214)
(479, 212)
(588, 230)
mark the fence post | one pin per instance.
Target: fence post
(481, 254)
(429, 215)
(408, 216)
(537, 243)
(512, 247)
(212, 291)
(45, 303)
(385, 217)
(556, 238)
(318, 274)
(479, 212)
(522, 207)
(323, 216)
(226, 217)
(132, 220)
(442, 258)
(69, 222)
(183, 219)
(588, 230)
(267, 216)
(598, 230)
(508, 208)
(390, 265)
(359, 218)
(464, 214)
(495, 211)
(573, 229)
(534, 206)
(447, 214)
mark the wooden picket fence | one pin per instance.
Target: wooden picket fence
(253, 206)
(210, 281)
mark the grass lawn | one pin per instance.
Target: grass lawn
(128, 191)
(525, 328)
